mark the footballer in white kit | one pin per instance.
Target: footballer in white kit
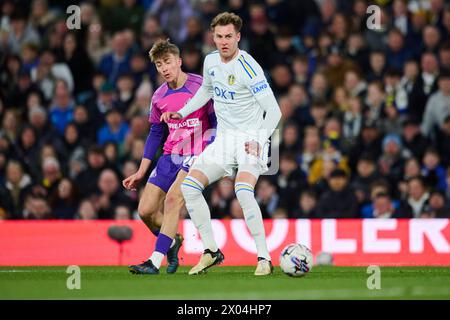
(235, 87)
(247, 114)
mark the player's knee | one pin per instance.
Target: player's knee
(173, 202)
(146, 212)
(191, 188)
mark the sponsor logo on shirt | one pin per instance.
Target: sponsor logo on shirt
(189, 123)
(259, 87)
(224, 94)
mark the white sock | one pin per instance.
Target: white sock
(199, 211)
(157, 258)
(171, 245)
(253, 217)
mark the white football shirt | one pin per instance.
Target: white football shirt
(234, 86)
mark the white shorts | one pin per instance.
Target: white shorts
(228, 152)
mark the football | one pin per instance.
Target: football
(296, 260)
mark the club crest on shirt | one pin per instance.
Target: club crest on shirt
(231, 79)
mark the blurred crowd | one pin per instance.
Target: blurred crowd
(365, 131)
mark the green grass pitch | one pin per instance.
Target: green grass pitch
(225, 283)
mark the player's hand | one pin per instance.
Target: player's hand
(166, 116)
(132, 182)
(253, 148)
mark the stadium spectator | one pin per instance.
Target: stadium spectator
(310, 149)
(27, 148)
(104, 101)
(412, 139)
(51, 174)
(122, 212)
(412, 169)
(397, 53)
(290, 180)
(432, 170)
(290, 139)
(263, 39)
(221, 198)
(128, 14)
(340, 200)
(125, 89)
(392, 160)
(64, 200)
(377, 65)
(267, 197)
(115, 129)
(437, 109)
(62, 107)
(329, 159)
(443, 142)
(366, 174)
(37, 208)
(383, 208)
(444, 52)
(86, 180)
(437, 206)
(86, 210)
(49, 72)
(379, 186)
(82, 121)
(431, 39)
(109, 195)
(173, 15)
(21, 32)
(74, 150)
(117, 62)
(417, 198)
(75, 55)
(425, 85)
(353, 120)
(375, 107)
(18, 186)
(307, 203)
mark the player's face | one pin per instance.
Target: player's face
(169, 67)
(226, 40)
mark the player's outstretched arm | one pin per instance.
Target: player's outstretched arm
(201, 97)
(150, 149)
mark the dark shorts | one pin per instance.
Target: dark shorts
(167, 168)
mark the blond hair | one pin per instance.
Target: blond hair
(161, 48)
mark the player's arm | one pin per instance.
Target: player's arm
(151, 147)
(257, 83)
(273, 115)
(201, 97)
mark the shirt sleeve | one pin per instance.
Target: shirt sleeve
(155, 113)
(253, 77)
(153, 140)
(256, 82)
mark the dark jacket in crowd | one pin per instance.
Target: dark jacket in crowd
(343, 204)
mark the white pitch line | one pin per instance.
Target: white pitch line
(30, 271)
